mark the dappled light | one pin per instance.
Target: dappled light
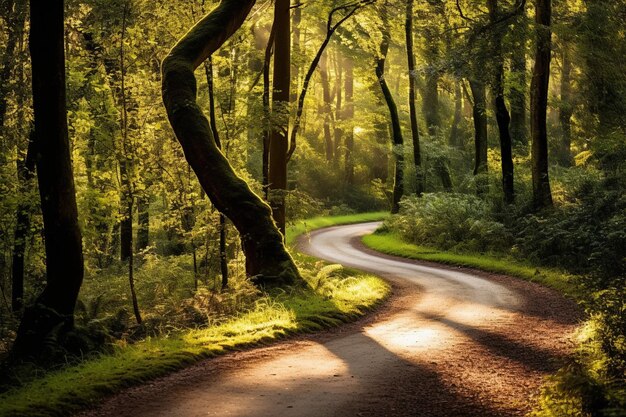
(313, 208)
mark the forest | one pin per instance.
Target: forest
(165, 167)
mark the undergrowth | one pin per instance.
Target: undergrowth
(234, 319)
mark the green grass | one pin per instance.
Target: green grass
(335, 296)
(305, 226)
(394, 245)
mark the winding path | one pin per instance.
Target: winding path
(449, 342)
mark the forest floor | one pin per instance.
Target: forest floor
(449, 342)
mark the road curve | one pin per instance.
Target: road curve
(448, 343)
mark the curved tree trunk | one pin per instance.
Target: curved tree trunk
(53, 311)
(267, 260)
(415, 134)
(397, 140)
(542, 195)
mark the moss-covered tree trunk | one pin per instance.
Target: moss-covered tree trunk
(542, 195)
(53, 312)
(267, 260)
(397, 139)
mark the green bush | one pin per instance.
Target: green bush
(449, 221)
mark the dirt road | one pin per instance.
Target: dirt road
(449, 342)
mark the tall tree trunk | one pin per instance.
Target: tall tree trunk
(415, 134)
(126, 172)
(53, 311)
(328, 140)
(295, 64)
(519, 122)
(280, 106)
(208, 67)
(267, 128)
(15, 19)
(349, 115)
(25, 173)
(480, 135)
(143, 223)
(566, 109)
(267, 260)
(430, 100)
(542, 195)
(397, 140)
(339, 112)
(503, 117)
(455, 130)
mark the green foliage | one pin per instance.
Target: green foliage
(340, 297)
(449, 221)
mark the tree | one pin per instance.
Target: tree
(53, 312)
(397, 139)
(417, 156)
(503, 117)
(280, 113)
(542, 196)
(267, 260)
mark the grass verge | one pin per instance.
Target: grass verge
(335, 296)
(393, 244)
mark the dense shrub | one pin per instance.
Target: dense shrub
(449, 221)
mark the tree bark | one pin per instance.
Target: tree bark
(295, 64)
(15, 19)
(397, 140)
(519, 122)
(208, 66)
(503, 117)
(349, 115)
(339, 112)
(326, 107)
(479, 110)
(267, 260)
(415, 135)
(267, 128)
(430, 105)
(455, 130)
(143, 223)
(25, 173)
(566, 109)
(542, 195)
(280, 105)
(53, 311)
